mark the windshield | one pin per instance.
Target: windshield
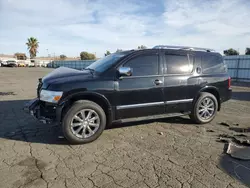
(103, 64)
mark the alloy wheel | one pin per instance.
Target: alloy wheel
(206, 108)
(85, 123)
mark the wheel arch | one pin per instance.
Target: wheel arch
(98, 98)
(214, 91)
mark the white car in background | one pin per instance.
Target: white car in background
(11, 63)
(3, 63)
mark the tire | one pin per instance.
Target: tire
(201, 116)
(72, 133)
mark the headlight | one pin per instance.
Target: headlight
(50, 96)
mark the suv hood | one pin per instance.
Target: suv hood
(64, 74)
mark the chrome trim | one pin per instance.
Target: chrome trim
(125, 71)
(179, 101)
(139, 105)
(153, 104)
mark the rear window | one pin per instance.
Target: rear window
(213, 64)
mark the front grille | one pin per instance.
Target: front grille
(40, 84)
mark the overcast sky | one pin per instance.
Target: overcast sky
(71, 26)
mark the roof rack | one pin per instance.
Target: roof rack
(183, 48)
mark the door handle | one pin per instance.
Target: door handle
(158, 82)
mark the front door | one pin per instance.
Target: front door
(141, 94)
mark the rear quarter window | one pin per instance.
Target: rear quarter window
(213, 64)
(179, 63)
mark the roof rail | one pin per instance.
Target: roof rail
(183, 48)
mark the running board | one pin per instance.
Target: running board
(153, 117)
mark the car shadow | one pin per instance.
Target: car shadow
(241, 95)
(15, 124)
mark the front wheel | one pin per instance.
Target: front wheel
(84, 122)
(205, 108)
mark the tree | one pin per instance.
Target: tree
(231, 51)
(247, 51)
(107, 53)
(87, 56)
(63, 57)
(142, 47)
(119, 50)
(20, 56)
(33, 45)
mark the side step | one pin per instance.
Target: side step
(153, 117)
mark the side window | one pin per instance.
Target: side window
(144, 65)
(213, 64)
(179, 64)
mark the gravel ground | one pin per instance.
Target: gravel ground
(170, 152)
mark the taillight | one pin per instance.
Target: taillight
(229, 82)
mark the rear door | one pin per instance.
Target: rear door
(178, 69)
(142, 93)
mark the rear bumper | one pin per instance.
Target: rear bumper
(44, 112)
(226, 95)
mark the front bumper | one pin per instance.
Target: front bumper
(44, 112)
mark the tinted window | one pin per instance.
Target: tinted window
(179, 64)
(143, 65)
(213, 64)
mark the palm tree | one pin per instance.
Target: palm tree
(32, 46)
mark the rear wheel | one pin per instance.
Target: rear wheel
(84, 122)
(205, 108)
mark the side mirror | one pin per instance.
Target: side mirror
(125, 71)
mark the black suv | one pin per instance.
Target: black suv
(164, 80)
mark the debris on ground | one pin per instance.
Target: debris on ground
(210, 131)
(224, 138)
(238, 152)
(7, 93)
(241, 135)
(239, 139)
(224, 124)
(239, 129)
(160, 133)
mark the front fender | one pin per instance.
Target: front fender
(66, 102)
(82, 94)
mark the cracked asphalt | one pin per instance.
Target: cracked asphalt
(169, 152)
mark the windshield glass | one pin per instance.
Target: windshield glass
(103, 64)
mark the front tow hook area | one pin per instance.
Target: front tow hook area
(45, 120)
(32, 107)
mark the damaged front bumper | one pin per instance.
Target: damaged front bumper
(45, 112)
